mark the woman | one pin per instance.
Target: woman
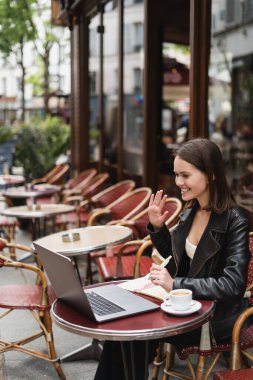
(209, 248)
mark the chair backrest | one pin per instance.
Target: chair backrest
(95, 185)
(59, 177)
(48, 176)
(113, 193)
(130, 204)
(140, 221)
(84, 175)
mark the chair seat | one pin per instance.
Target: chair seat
(246, 341)
(24, 296)
(108, 267)
(240, 374)
(8, 221)
(70, 218)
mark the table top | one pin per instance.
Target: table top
(151, 325)
(10, 179)
(45, 210)
(92, 238)
(29, 191)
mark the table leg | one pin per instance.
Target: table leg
(132, 365)
(92, 350)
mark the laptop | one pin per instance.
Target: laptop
(102, 303)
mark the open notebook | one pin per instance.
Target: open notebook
(144, 286)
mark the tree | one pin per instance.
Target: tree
(15, 31)
(47, 37)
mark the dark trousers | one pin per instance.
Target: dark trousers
(137, 355)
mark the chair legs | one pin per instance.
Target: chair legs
(158, 361)
(45, 323)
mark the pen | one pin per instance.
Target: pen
(162, 265)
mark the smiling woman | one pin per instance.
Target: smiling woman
(209, 249)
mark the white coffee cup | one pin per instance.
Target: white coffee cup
(180, 299)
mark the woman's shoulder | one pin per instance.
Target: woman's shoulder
(238, 212)
(236, 216)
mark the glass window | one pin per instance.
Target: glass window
(93, 87)
(111, 81)
(231, 89)
(133, 91)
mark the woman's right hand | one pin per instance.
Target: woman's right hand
(155, 209)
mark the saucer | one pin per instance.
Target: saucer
(196, 305)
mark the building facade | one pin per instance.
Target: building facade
(148, 74)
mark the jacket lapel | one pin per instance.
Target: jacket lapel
(180, 234)
(209, 243)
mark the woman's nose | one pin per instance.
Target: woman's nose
(178, 181)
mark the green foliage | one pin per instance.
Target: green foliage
(6, 134)
(15, 28)
(39, 145)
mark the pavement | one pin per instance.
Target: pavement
(16, 365)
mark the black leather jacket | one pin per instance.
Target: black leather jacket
(219, 268)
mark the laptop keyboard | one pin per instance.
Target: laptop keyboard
(101, 305)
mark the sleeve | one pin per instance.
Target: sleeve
(161, 240)
(231, 284)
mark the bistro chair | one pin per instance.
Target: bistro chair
(35, 298)
(9, 249)
(87, 174)
(124, 208)
(102, 199)
(8, 226)
(94, 186)
(127, 260)
(55, 177)
(240, 374)
(242, 339)
(76, 188)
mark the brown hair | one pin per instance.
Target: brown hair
(206, 157)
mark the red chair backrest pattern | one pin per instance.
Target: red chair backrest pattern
(59, 177)
(113, 193)
(85, 175)
(95, 185)
(130, 204)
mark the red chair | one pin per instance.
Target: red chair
(240, 374)
(242, 339)
(8, 225)
(102, 199)
(128, 260)
(55, 177)
(83, 176)
(80, 186)
(124, 208)
(94, 186)
(35, 298)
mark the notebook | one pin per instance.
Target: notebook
(102, 303)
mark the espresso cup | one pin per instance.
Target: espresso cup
(180, 299)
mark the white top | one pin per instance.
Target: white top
(190, 249)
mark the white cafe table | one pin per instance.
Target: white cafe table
(37, 214)
(92, 238)
(11, 180)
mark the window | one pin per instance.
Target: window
(138, 36)
(93, 84)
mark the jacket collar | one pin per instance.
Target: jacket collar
(209, 244)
